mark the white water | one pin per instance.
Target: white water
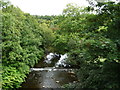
(50, 69)
(62, 61)
(49, 57)
(51, 77)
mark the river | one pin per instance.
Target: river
(53, 72)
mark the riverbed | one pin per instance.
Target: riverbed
(46, 74)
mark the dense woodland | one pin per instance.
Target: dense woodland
(90, 36)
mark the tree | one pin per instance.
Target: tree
(22, 45)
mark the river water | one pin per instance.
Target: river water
(50, 73)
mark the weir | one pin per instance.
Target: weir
(43, 76)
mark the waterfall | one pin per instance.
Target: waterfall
(49, 57)
(60, 63)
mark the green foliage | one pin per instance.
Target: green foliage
(13, 77)
(48, 35)
(92, 43)
(60, 44)
(22, 45)
(91, 40)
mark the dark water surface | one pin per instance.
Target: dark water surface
(45, 75)
(51, 78)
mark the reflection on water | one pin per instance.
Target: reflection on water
(50, 73)
(49, 78)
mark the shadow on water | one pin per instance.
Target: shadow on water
(46, 75)
(48, 79)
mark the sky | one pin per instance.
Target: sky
(45, 7)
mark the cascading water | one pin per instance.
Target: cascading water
(49, 57)
(62, 61)
(50, 77)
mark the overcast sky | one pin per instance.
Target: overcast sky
(45, 7)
